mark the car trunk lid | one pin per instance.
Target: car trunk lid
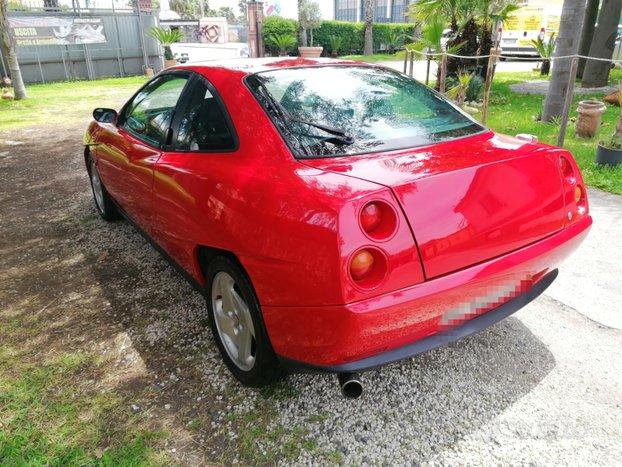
(468, 200)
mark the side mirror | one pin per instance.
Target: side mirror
(103, 115)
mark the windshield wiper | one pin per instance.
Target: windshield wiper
(339, 136)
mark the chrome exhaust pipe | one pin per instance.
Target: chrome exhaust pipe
(350, 384)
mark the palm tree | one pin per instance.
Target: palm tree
(430, 40)
(455, 11)
(369, 26)
(282, 42)
(545, 50)
(567, 44)
(596, 73)
(7, 43)
(166, 37)
(587, 32)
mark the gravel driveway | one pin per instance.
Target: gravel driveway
(544, 386)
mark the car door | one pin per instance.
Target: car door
(128, 151)
(192, 177)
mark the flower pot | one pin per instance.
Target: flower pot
(590, 115)
(310, 52)
(170, 63)
(149, 72)
(608, 156)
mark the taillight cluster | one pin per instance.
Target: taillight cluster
(573, 181)
(369, 265)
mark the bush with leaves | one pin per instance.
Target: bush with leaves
(284, 43)
(166, 37)
(277, 26)
(545, 50)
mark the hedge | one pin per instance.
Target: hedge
(352, 34)
(277, 25)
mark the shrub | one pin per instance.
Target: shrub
(475, 91)
(351, 35)
(393, 36)
(386, 35)
(282, 42)
(277, 26)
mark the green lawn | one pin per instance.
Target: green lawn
(65, 101)
(510, 113)
(379, 57)
(50, 414)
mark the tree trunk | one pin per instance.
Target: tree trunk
(596, 73)
(7, 42)
(568, 38)
(587, 32)
(302, 32)
(369, 25)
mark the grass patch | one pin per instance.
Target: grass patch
(380, 57)
(65, 102)
(50, 416)
(511, 113)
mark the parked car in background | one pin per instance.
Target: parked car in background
(338, 216)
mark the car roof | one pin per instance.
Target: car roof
(254, 65)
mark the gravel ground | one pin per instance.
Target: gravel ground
(543, 386)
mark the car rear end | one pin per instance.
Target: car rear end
(488, 238)
(465, 226)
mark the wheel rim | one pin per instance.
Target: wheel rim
(98, 190)
(233, 321)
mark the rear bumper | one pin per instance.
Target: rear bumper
(373, 332)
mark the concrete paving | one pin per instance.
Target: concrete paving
(590, 281)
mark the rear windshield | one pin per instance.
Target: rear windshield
(344, 110)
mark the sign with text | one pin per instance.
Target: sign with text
(43, 30)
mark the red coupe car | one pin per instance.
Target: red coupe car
(338, 216)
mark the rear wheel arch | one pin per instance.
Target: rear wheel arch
(206, 254)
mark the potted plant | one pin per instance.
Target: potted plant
(282, 42)
(166, 37)
(545, 50)
(335, 44)
(610, 152)
(309, 18)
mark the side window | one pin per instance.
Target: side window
(148, 116)
(203, 126)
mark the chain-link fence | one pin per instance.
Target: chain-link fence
(83, 39)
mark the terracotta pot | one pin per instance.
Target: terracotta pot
(170, 63)
(608, 156)
(310, 52)
(590, 115)
(7, 95)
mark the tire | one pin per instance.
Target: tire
(103, 202)
(248, 354)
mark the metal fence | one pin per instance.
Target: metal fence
(127, 49)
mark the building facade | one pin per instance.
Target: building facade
(385, 11)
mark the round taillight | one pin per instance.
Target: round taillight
(371, 216)
(378, 220)
(566, 167)
(578, 193)
(361, 265)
